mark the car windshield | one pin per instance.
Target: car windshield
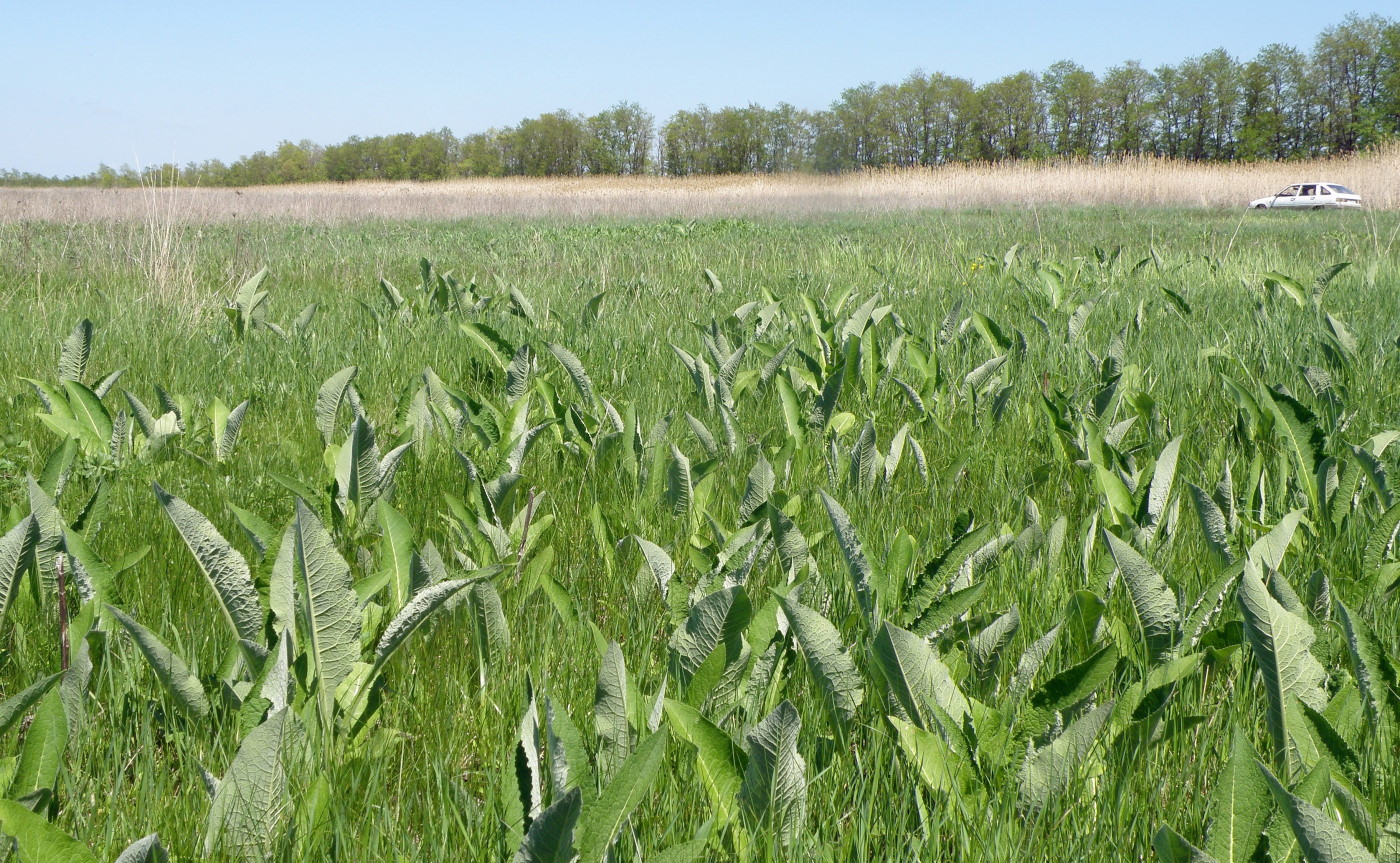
(1341, 190)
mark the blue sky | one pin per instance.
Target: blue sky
(151, 82)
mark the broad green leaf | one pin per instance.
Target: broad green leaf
(1298, 433)
(658, 561)
(281, 583)
(719, 760)
(942, 573)
(414, 615)
(574, 367)
(228, 435)
(329, 612)
(16, 554)
(518, 374)
(170, 669)
(1320, 839)
(984, 649)
(1172, 847)
(396, 547)
(979, 376)
(42, 753)
(568, 759)
(610, 706)
(223, 567)
(686, 852)
(58, 467)
(90, 415)
(1213, 523)
(1239, 805)
(947, 609)
(328, 399)
(941, 768)
(13, 709)
(77, 348)
(1049, 770)
(252, 801)
(679, 487)
(792, 411)
(718, 618)
(357, 476)
(1388, 845)
(1154, 602)
(490, 629)
(1159, 492)
(528, 779)
(827, 658)
(1381, 539)
(757, 489)
(1067, 689)
(773, 795)
(256, 529)
(550, 838)
(603, 819)
(1268, 550)
(38, 840)
(1030, 662)
(916, 677)
(496, 347)
(1120, 500)
(856, 563)
(147, 849)
(1374, 671)
(1281, 642)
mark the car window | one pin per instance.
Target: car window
(1309, 190)
(1288, 193)
(1323, 190)
(1342, 190)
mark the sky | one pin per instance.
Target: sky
(150, 82)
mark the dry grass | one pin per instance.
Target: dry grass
(1135, 182)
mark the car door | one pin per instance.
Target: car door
(1307, 196)
(1287, 198)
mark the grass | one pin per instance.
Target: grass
(434, 790)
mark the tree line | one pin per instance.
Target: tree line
(1284, 103)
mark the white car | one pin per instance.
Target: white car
(1310, 196)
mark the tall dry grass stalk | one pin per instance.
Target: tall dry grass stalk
(161, 249)
(1138, 182)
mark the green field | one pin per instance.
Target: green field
(1002, 535)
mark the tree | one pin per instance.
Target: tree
(1072, 103)
(686, 142)
(549, 145)
(1010, 118)
(1126, 99)
(1352, 64)
(620, 140)
(1278, 105)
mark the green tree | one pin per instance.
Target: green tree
(1127, 95)
(1072, 103)
(1352, 64)
(1010, 118)
(620, 140)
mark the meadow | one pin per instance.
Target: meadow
(982, 534)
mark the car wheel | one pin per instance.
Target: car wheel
(1318, 207)
(1261, 206)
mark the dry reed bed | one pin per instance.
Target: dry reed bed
(1134, 182)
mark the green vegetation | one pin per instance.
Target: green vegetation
(1341, 97)
(998, 536)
